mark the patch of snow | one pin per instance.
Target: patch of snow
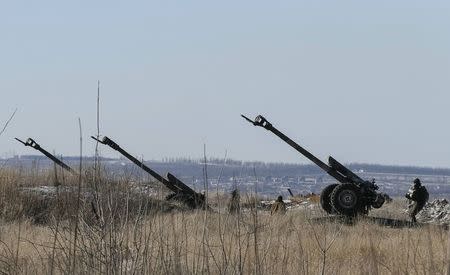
(437, 211)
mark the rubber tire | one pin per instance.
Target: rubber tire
(380, 203)
(352, 192)
(325, 200)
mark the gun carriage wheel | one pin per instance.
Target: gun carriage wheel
(379, 201)
(325, 198)
(346, 199)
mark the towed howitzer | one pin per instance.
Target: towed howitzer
(351, 196)
(33, 144)
(181, 192)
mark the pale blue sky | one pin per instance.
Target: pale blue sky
(364, 81)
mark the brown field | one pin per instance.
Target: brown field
(134, 234)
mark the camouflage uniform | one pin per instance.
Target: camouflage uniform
(418, 195)
(234, 204)
(279, 207)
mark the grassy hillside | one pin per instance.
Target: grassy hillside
(113, 230)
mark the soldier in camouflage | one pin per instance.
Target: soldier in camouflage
(418, 196)
(279, 207)
(234, 204)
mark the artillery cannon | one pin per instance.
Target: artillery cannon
(33, 144)
(181, 192)
(351, 196)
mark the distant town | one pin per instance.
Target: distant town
(266, 179)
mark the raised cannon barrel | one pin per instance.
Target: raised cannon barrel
(262, 122)
(182, 192)
(33, 144)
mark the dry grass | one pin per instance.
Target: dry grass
(127, 240)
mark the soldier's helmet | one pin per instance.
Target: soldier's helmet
(417, 182)
(280, 198)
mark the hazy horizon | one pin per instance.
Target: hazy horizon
(364, 82)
